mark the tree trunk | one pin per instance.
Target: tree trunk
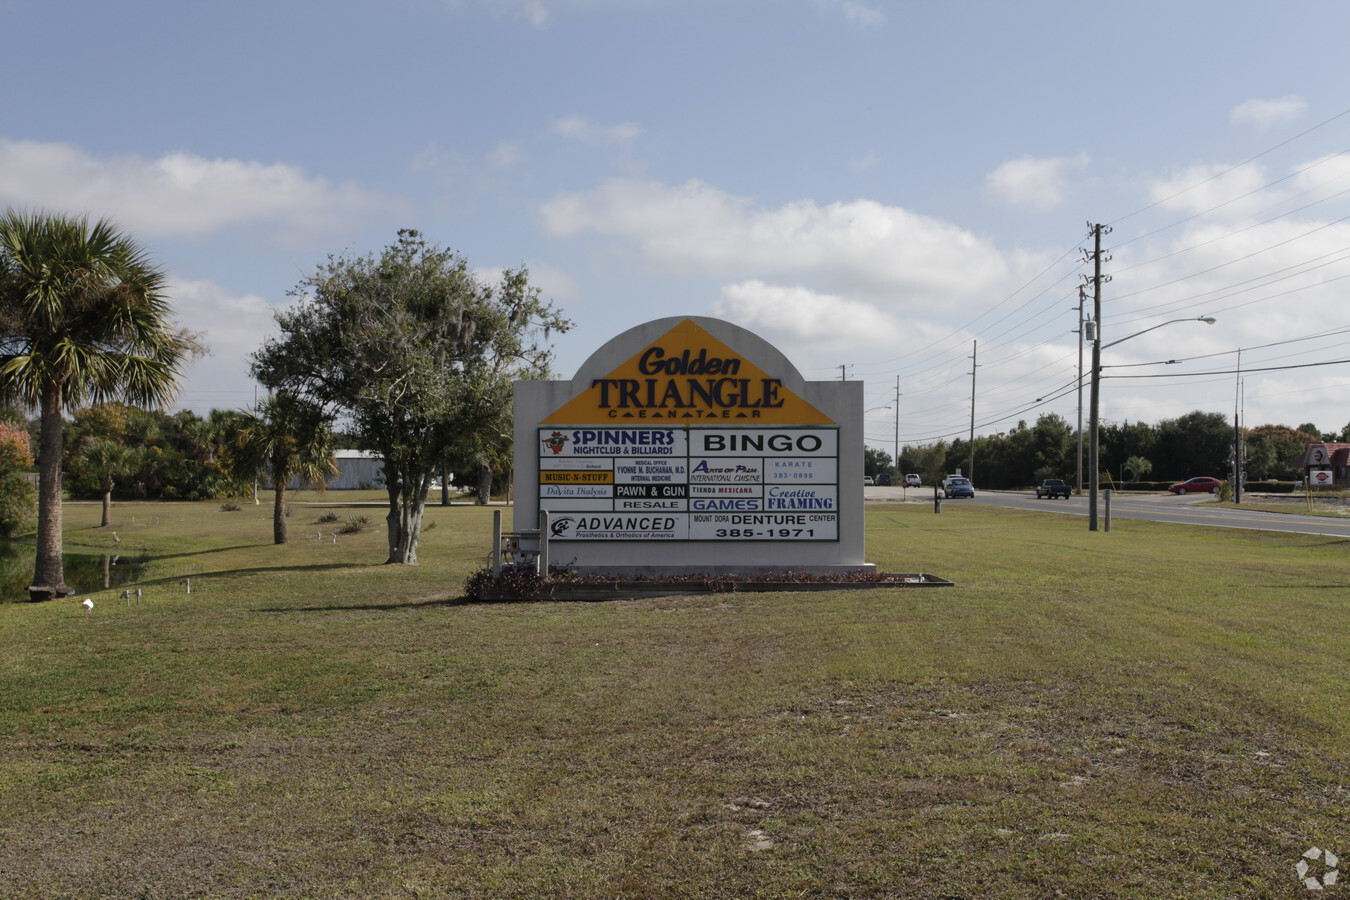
(404, 521)
(484, 482)
(49, 576)
(445, 484)
(279, 535)
(391, 521)
(410, 520)
(107, 502)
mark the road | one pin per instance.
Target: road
(1188, 510)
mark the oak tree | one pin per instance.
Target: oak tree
(417, 353)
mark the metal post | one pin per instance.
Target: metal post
(1107, 493)
(543, 543)
(937, 501)
(496, 543)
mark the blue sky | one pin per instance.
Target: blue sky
(865, 184)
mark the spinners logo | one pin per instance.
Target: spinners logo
(1317, 869)
(556, 441)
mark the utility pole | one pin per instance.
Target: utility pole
(1082, 299)
(898, 474)
(842, 376)
(255, 474)
(1237, 433)
(1093, 475)
(974, 350)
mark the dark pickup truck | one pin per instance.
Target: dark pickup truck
(1052, 488)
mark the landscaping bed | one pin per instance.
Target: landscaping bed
(526, 585)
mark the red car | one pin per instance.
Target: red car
(1200, 484)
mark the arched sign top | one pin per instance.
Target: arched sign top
(688, 371)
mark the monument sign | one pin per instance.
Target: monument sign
(692, 446)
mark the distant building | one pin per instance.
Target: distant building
(1326, 465)
(357, 469)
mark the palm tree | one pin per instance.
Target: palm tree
(110, 461)
(288, 438)
(83, 318)
(1138, 467)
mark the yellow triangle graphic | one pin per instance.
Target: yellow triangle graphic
(688, 373)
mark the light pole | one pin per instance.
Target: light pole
(1097, 348)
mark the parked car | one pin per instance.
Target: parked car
(867, 480)
(954, 486)
(912, 480)
(1052, 488)
(884, 479)
(1200, 484)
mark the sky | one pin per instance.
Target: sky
(890, 192)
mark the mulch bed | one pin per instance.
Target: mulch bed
(528, 586)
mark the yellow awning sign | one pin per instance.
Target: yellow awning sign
(688, 377)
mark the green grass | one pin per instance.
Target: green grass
(1156, 712)
(1294, 505)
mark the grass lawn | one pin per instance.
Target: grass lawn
(1162, 711)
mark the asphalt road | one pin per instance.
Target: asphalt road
(1188, 510)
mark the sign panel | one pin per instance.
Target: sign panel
(764, 527)
(687, 376)
(621, 526)
(690, 483)
(690, 445)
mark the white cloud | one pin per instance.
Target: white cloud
(864, 163)
(506, 155)
(178, 193)
(1264, 114)
(1039, 183)
(577, 128)
(539, 13)
(233, 326)
(796, 315)
(858, 13)
(533, 11)
(859, 246)
(555, 284)
(1204, 188)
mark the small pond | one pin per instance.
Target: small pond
(85, 572)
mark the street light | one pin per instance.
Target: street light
(1097, 348)
(1208, 320)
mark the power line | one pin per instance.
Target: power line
(1232, 168)
(1234, 371)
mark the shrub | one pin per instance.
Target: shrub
(230, 506)
(18, 504)
(327, 517)
(354, 525)
(18, 499)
